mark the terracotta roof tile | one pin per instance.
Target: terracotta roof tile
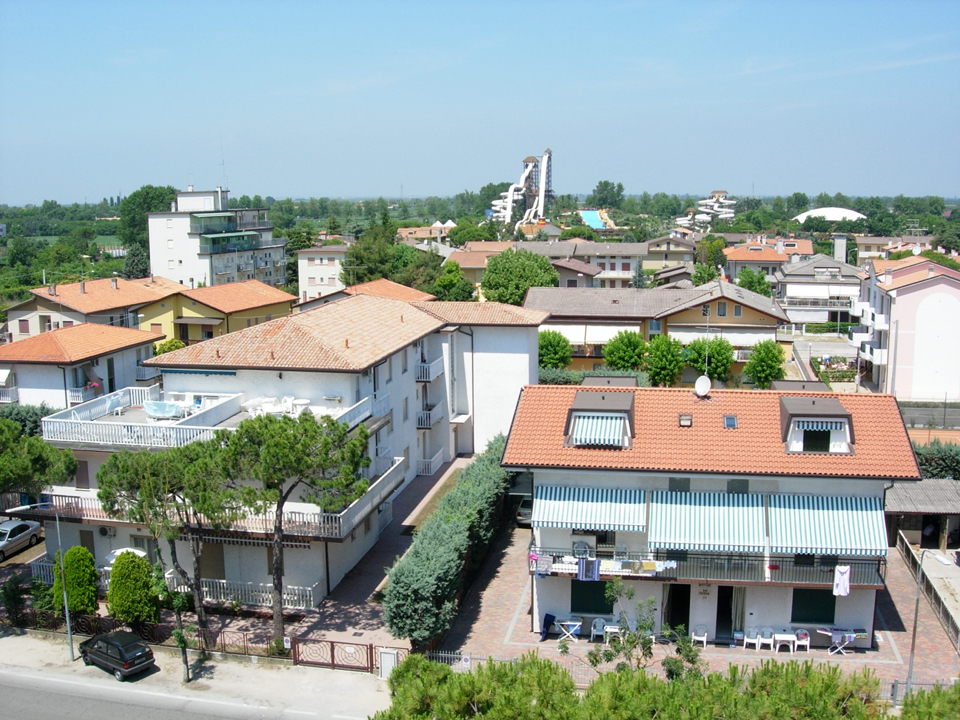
(754, 252)
(346, 335)
(99, 295)
(919, 276)
(238, 296)
(489, 313)
(489, 245)
(471, 259)
(577, 266)
(882, 448)
(74, 344)
(388, 289)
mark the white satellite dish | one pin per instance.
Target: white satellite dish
(916, 250)
(702, 386)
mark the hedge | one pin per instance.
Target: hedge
(421, 599)
(828, 328)
(553, 376)
(26, 416)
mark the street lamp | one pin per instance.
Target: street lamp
(63, 576)
(916, 613)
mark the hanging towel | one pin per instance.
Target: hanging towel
(841, 580)
(588, 569)
(582, 569)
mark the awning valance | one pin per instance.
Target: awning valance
(212, 214)
(813, 524)
(819, 425)
(709, 522)
(197, 321)
(605, 430)
(589, 508)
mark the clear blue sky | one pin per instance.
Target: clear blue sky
(348, 99)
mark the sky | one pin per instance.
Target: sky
(412, 99)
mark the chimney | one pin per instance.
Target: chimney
(840, 247)
(888, 275)
(52, 290)
(113, 283)
(780, 245)
(931, 271)
(173, 206)
(346, 342)
(83, 287)
(189, 188)
(218, 352)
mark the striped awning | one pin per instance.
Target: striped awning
(819, 425)
(813, 524)
(593, 429)
(589, 508)
(708, 522)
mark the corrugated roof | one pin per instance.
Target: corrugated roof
(74, 344)
(930, 496)
(882, 448)
(238, 296)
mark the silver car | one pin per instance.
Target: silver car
(17, 534)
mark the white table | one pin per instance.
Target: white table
(788, 639)
(610, 630)
(570, 628)
(299, 405)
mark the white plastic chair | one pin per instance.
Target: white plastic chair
(751, 637)
(581, 550)
(803, 639)
(620, 552)
(699, 635)
(766, 638)
(596, 629)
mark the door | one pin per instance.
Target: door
(111, 378)
(211, 561)
(83, 475)
(678, 607)
(86, 540)
(724, 612)
(185, 334)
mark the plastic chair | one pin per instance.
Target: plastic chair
(766, 638)
(581, 550)
(751, 637)
(620, 552)
(596, 629)
(803, 639)
(699, 635)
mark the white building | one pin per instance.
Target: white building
(318, 271)
(818, 290)
(200, 241)
(428, 380)
(732, 511)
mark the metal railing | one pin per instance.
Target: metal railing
(950, 624)
(248, 593)
(76, 396)
(147, 373)
(428, 372)
(429, 467)
(426, 419)
(814, 302)
(42, 570)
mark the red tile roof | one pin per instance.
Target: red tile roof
(99, 295)
(238, 296)
(471, 259)
(488, 313)
(882, 448)
(74, 344)
(388, 289)
(754, 252)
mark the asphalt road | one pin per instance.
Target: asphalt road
(41, 696)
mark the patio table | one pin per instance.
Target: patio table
(570, 628)
(788, 639)
(609, 631)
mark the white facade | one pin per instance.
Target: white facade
(318, 271)
(202, 242)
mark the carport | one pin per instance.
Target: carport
(933, 504)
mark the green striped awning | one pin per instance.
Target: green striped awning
(819, 425)
(709, 522)
(813, 524)
(589, 508)
(603, 429)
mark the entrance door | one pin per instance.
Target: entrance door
(111, 377)
(86, 540)
(678, 607)
(724, 612)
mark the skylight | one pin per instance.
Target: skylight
(730, 422)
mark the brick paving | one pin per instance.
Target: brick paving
(495, 622)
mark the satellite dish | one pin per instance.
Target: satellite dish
(702, 386)
(916, 249)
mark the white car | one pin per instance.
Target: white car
(17, 534)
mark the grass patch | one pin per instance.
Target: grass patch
(449, 484)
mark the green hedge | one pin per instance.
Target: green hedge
(423, 594)
(26, 416)
(553, 376)
(828, 328)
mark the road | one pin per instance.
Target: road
(919, 417)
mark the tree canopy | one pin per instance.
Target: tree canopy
(29, 464)
(606, 194)
(765, 364)
(511, 273)
(702, 274)
(555, 349)
(664, 360)
(451, 284)
(133, 213)
(136, 263)
(713, 358)
(755, 281)
(626, 351)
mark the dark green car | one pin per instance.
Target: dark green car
(120, 652)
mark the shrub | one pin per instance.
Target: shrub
(11, 597)
(161, 348)
(82, 577)
(26, 416)
(938, 460)
(555, 349)
(41, 595)
(558, 376)
(626, 351)
(132, 597)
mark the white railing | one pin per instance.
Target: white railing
(880, 321)
(247, 593)
(429, 467)
(372, 499)
(42, 570)
(147, 373)
(428, 418)
(8, 395)
(381, 404)
(428, 372)
(356, 414)
(80, 395)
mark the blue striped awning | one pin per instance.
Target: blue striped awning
(819, 425)
(709, 522)
(605, 430)
(589, 508)
(813, 524)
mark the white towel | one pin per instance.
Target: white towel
(841, 580)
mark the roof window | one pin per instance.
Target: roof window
(685, 420)
(730, 422)
(816, 425)
(600, 419)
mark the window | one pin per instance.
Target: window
(311, 261)
(403, 363)
(170, 222)
(730, 422)
(405, 408)
(705, 310)
(738, 310)
(816, 441)
(603, 283)
(156, 328)
(625, 267)
(589, 598)
(169, 244)
(24, 327)
(311, 281)
(406, 458)
(206, 332)
(721, 309)
(390, 422)
(738, 487)
(602, 266)
(812, 606)
(83, 475)
(571, 282)
(655, 327)
(170, 265)
(389, 369)
(679, 484)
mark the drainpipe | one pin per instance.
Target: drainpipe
(896, 348)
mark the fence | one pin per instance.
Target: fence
(931, 592)
(896, 690)
(339, 655)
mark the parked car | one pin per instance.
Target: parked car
(120, 652)
(525, 511)
(17, 534)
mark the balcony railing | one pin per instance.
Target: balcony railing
(147, 373)
(876, 355)
(247, 593)
(42, 570)
(858, 334)
(704, 566)
(428, 372)
(426, 419)
(880, 321)
(429, 467)
(858, 308)
(77, 396)
(8, 395)
(799, 302)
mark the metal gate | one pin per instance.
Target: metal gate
(333, 654)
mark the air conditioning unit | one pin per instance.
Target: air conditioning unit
(365, 373)
(108, 531)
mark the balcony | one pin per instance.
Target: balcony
(858, 308)
(706, 567)
(8, 395)
(857, 335)
(880, 321)
(429, 467)
(376, 405)
(300, 519)
(76, 396)
(428, 372)
(147, 373)
(801, 302)
(430, 416)
(225, 270)
(876, 355)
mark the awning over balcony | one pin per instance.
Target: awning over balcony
(589, 508)
(598, 429)
(820, 425)
(197, 321)
(212, 214)
(710, 522)
(4, 374)
(827, 525)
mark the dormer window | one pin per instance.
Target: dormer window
(816, 425)
(600, 420)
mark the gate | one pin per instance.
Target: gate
(339, 655)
